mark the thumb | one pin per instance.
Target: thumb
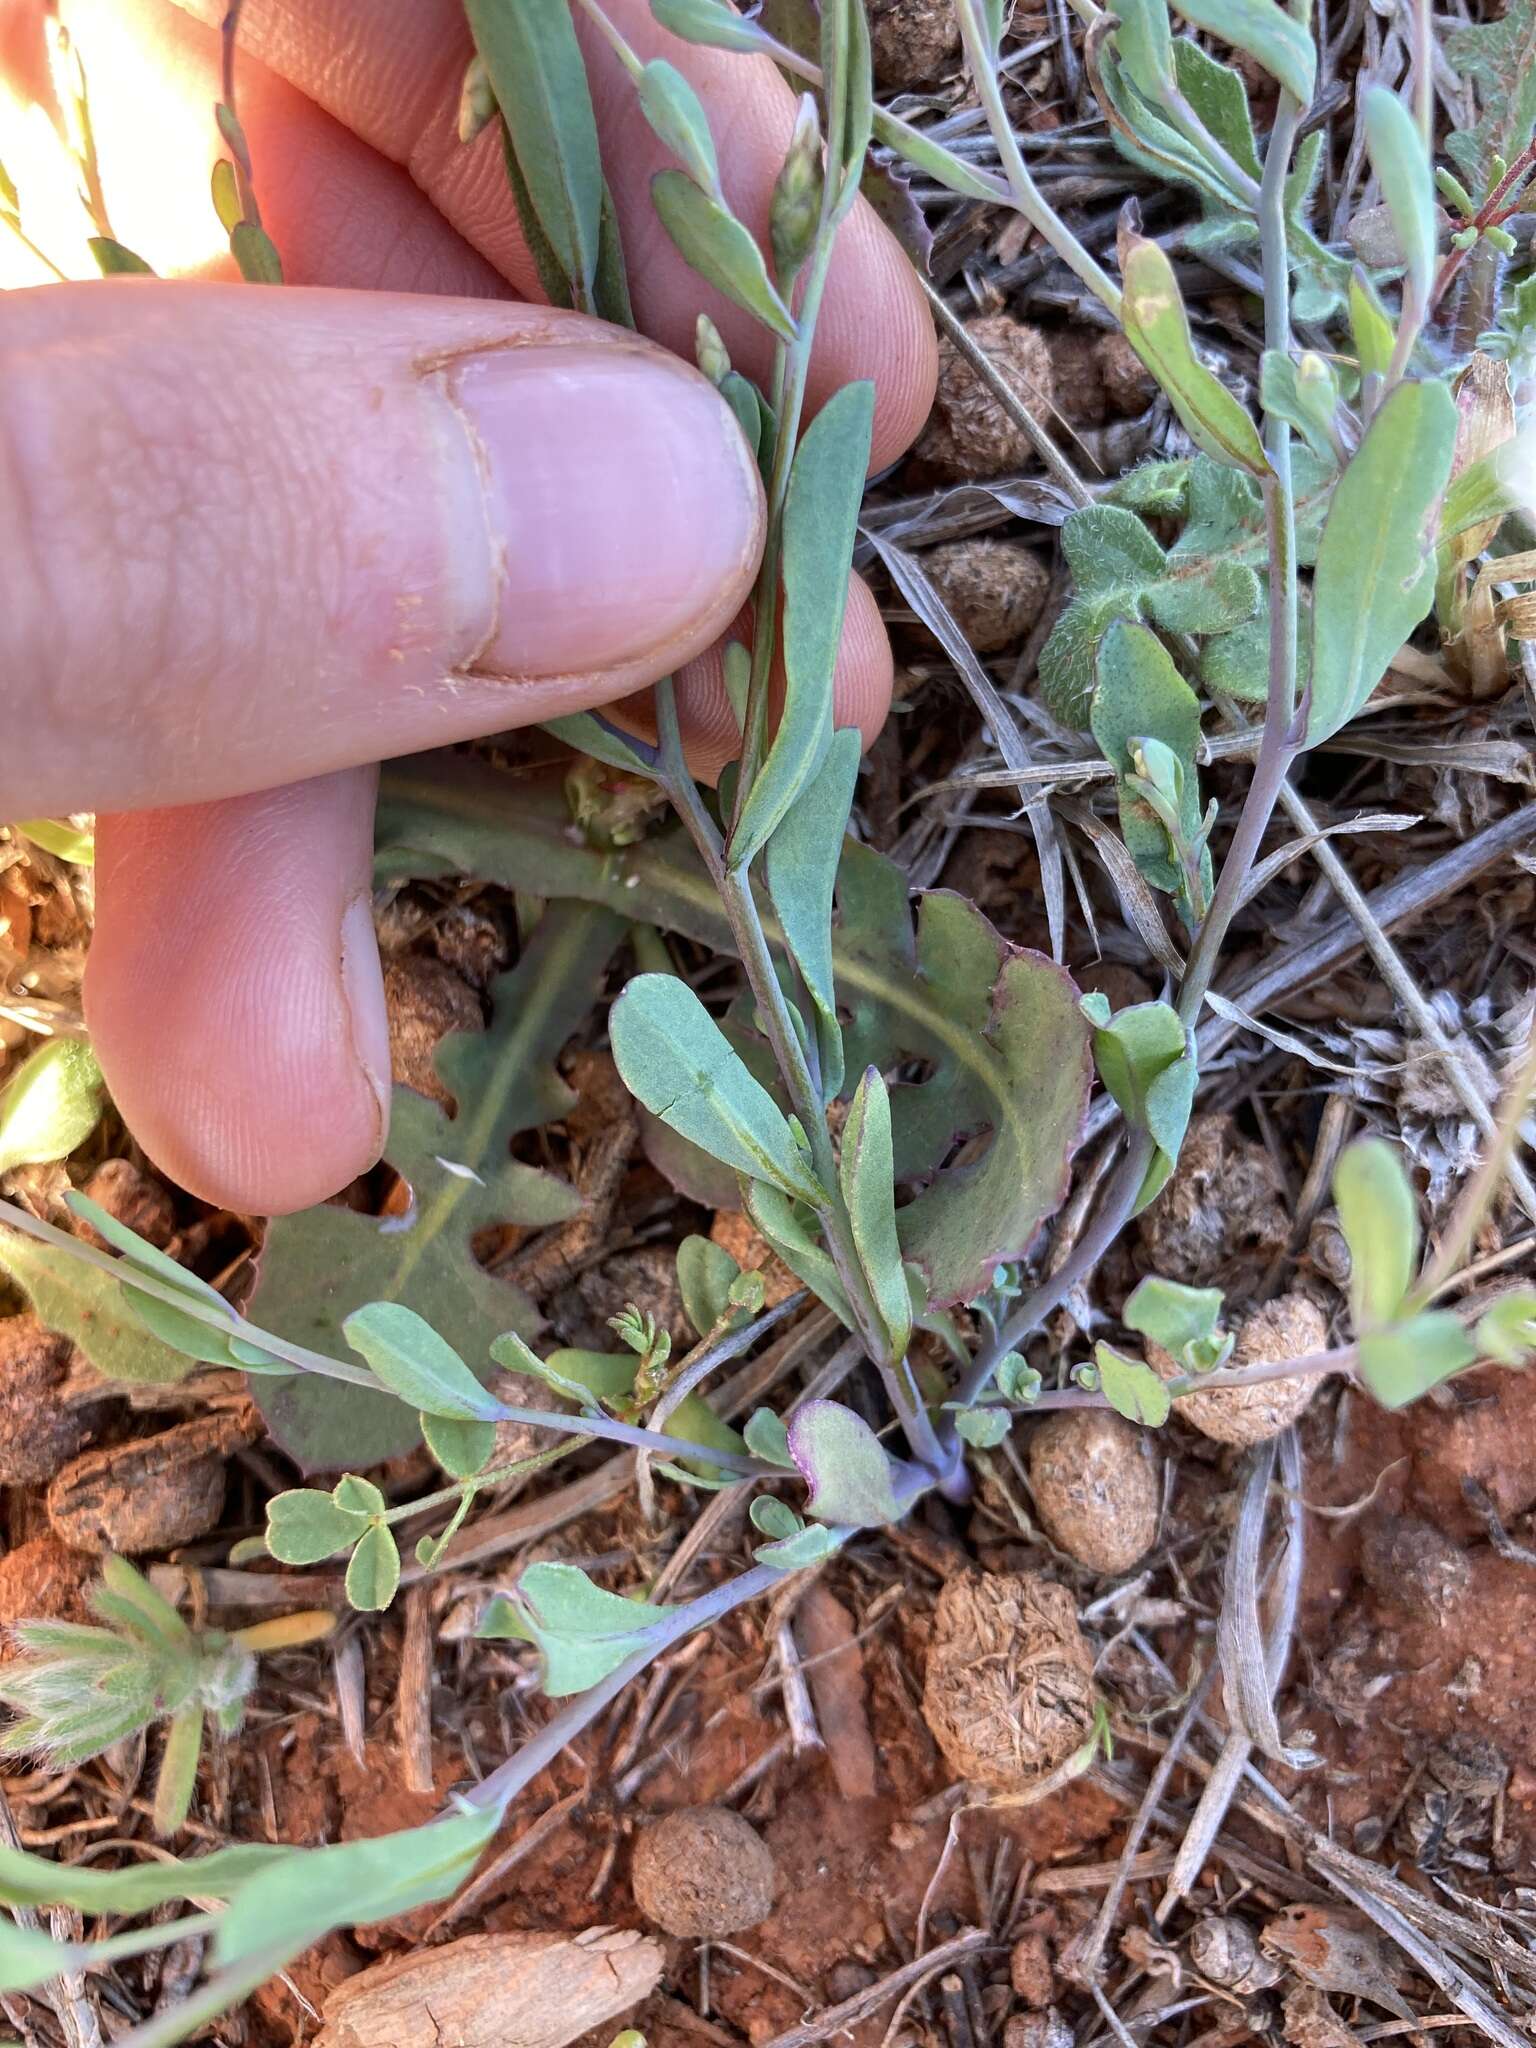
(259, 535)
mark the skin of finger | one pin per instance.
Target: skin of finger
(392, 69)
(283, 533)
(217, 993)
(861, 688)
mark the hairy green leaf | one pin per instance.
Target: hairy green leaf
(1157, 327)
(1380, 1222)
(1144, 42)
(92, 1309)
(540, 82)
(801, 873)
(317, 1267)
(1403, 170)
(1375, 574)
(725, 254)
(821, 511)
(1265, 32)
(867, 1175)
(1497, 58)
(675, 1059)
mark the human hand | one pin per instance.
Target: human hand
(257, 537)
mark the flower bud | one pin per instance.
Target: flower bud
(796, 208)
(477, 102)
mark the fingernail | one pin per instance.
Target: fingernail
(622, 503)
(362, 988)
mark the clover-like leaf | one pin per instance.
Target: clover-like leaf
(305, 1526)
(374, 1571)
(461, 1448)
(843, 1464)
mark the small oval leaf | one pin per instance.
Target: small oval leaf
(724, 253)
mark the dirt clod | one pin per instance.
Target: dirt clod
(1095, 1487)
(1128, 385)
(131, 1196)
(1291, 1326)
(1009, 1692)
(43, 1580)
(912, 41)
(38, 1431)
(1045, 2029)
(703, 1871)
(969, 434)
(1029, 1969)
(994, 588)
(425, 1000)
(1222, 1217)
(148, 1495)
(1412, 1565)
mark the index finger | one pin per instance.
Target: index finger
(391, 70)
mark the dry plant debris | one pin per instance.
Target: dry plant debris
(1009, 1692)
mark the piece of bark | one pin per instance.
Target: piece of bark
(495, 1991)
(834, 1671)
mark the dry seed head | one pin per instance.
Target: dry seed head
(1225, 1950)
(1415, 1566)
(994, 588)
(1009, 1692)
(702, 1872)
(1095, 1487)
(1291, 1326)
(969, 434)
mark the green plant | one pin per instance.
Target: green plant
(898, 1105)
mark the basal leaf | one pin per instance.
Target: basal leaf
(1404, 1360)
(842, 1463)
(315, 1269)
(826, 485)
(867, 1175)
(1265, 32)
(540, 82)
(1157, 327)
(1005, 1059)
(801, 872)
(417, 1365)
(1375, 574)
(715, 243)
(675, 1059)
(1403, 170)
(1380, 1221)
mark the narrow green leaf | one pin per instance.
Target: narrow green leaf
(1144, 42)
(1375, 574)
(1131, 1388)
(28, 1957)
(1406, 175)
(50, 1105)
(59, 837)
(675, 1058)
(801, 872)
(1157, 327)
(677, 116)
(1404, 1360)
(866, 1171)
(305, 1526)
(1265, 32)
(194, 1339)
(710, 22)
(1380, 1222)
(113, 260)
(27, 1880)
(540, 82)
(255, 252)
(415, 1363)
(724, 253)
(1370, 324)
(797, 1245)
(1141, 696)
(374, 1572)
(821, 514)
(226, 195)
(90, 1308)
(303, 1894)
(592, 735)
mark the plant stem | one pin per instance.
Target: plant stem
(1026, 194)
